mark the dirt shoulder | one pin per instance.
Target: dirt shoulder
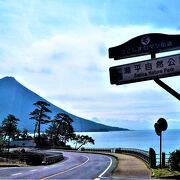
(131, 167)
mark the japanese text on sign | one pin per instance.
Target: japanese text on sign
(147, 47)
(146, 70)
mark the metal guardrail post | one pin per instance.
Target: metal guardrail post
(152, 156)
(163, 160)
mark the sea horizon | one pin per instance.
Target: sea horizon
(138, 139)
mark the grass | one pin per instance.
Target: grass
(164, 172)
(10, 162)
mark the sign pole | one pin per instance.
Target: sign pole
(163, 85)
(160, 149)
(160, 125)
(167, 88)
(153, 55)
(171, 91)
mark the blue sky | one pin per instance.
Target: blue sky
(59, 49)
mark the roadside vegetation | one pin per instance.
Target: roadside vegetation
(58, 133)
(164, 172)
(173, 168)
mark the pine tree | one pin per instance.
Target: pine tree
(9, 127)
(39, 115)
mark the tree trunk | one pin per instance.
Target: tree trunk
(35, 129)
(8, 148)
(39, 132)
(76, 145)
(81, 145)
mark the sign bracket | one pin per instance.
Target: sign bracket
(163, 85)
(167, 88)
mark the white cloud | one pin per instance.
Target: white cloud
(70, 67)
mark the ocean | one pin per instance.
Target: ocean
(140, 139)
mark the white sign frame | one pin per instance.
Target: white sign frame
(145, 70)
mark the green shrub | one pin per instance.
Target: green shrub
(2, 145)
(174, 160)
(34, 159)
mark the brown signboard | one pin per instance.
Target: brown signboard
(144, 45)
(145, 70)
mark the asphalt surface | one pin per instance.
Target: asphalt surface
(74, 166)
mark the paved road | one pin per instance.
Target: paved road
(74, 166)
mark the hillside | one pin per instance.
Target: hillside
(16, 99)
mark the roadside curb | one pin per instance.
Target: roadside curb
(9, 165)
(168, 177)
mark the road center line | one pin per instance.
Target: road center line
(106, 168)
(33, 170)
(2, 168)
(16, 174)
(67, 169)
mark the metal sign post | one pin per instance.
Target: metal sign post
(165, 86)
(154, 68)
(160, 125)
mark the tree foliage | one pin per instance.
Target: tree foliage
(24, 134)
(174, 160)
(9, 128)
(2, 143)
(59, 132)
(61, 129)
(40, 116)
(83, 139)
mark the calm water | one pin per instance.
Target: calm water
(141, 139)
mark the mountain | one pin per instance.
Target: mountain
(18, 100)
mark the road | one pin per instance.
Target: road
(74, 166)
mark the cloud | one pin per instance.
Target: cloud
(60, 51)
(157, 13)
(72, 71)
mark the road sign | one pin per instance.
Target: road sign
(145, 44)
(145, 70)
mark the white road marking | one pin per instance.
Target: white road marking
(16, 174)
(67, 169)
(105, 169)
(45, 167)
(2, 168)
(33, 170)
